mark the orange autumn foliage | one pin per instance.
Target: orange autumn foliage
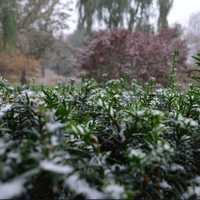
(13, 64)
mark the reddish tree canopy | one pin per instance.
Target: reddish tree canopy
(141, 55)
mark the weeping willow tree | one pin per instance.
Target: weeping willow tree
(132, 14)
(8, 23)
(164, 7)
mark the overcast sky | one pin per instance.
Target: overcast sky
(182, 9)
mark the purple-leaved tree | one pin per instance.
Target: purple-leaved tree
(109, 54)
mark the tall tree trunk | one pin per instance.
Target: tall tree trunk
(9, 24)
(164, 9)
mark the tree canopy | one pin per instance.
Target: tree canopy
(17, 16)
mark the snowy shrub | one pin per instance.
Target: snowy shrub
(99, 141)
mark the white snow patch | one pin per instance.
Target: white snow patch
(167, 147)
(54, 140)
(29, 93)
(197, 110)
(160, 90)
(5, 109)
(11, 189)
(156, 113)
(191, 122)
(60, 169)
(187, 121)
(197, 180)
(54, 126)
(197, 191)
(176, 167)
(192, 191)
(140, 113)
(137, 153)
(165, 185)
(81, 186)
(115, 190)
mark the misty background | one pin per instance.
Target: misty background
(47, 41)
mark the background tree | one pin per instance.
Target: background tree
(164, 7)
(193, 35)
(86, 11)
(109, 54)
(21, 17)
(8, 22)
(112, 13)
(45, 15)
(132, 14)
(139, 14)
(30, 28)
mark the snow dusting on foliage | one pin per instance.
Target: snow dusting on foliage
(56, 168)
(115, 191)
(137, 153)
(165, 185)
(176, 167)
(116, 140)
(11, 189)
(53, 126)
(82, 187)
(4, 109)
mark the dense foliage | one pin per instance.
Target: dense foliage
(141, 55)
(116, 140)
